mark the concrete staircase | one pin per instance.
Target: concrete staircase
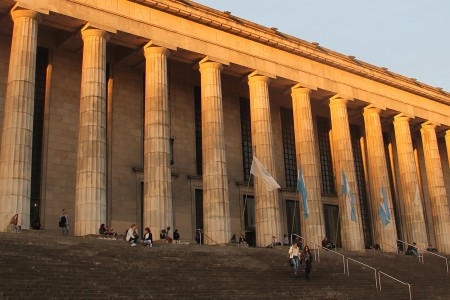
(38, 265)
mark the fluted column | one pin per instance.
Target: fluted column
(447, 143)
(90, 197)
(216, 206)
(352, 236)
(157, 173)
(384, 229)
(306, 152)
(17, 134)
(410, 192)
(267, 212)
(436, 187)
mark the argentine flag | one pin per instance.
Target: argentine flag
(385, 215)
(302, 189)
(349, 198)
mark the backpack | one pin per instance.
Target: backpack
(62, 221)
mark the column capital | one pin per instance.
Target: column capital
(260, 76)
(156, 44)
(300, 89)
(429, 125)
(149, 49)
(85, 33)
(370, 109)
(339, 99)
(25, 13)
(401, 118)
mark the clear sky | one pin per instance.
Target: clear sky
(409, 37)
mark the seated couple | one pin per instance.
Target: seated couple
(106, 230)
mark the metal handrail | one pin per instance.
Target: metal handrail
(375, 270)
(420, 253)
(429, 252)
(379, 281)
(202, 231)
(316, 251)
(396, 248)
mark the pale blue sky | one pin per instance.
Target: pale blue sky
(410, 37)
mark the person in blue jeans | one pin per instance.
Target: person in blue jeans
(294, 253)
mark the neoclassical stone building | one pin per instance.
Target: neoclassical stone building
(149, 112)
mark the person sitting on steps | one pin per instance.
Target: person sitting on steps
(13, 224)
(132, 235)
(412, 250)
(147, 238)
(327, 244)
(176, 235)
(105, 230)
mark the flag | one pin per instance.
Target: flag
(259, 171)
(349, 199)
(302, 189)
(385, 215)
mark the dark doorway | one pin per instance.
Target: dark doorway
(293, 217)
(198, 210)
(332, 225)
(249, 219)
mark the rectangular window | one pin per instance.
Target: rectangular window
(290, 160)
(246, 135)
(355, 133)
(198, 128)
(326, 162)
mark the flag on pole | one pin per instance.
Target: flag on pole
(259, 171)
(385, 215)
(349, 199)
(302, 189)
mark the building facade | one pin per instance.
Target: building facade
(150, 112)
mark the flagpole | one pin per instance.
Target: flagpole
(245, 204)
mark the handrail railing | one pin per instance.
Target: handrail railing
(407, 284)
(396, 248)
(316, 251)
(430, 252)
(202, 233)
(420, 256)
(375, 270)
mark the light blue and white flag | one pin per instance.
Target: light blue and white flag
(301, 188)
(385, 215)
(349, 198)
(259, 171)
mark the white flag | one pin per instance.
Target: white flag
(259, 171)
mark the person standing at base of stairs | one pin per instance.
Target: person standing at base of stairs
(307, 258)
(64, 222)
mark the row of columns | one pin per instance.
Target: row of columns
(16, 147)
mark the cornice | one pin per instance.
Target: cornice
(225, 21)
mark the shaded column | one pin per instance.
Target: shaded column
(267, 211)
(17, 134)
(447, 143)
(380, 189)
(409, 183)
(352, 235)
(216, 206)
(306, 152)
(157, 173)
(90, 197)
(436, 187)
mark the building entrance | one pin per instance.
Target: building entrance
(332, 224)
(249, 220)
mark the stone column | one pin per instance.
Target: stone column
(306, 152)
(267, 211)
(216, 206)
(352, 235)
(409, 183)
(90, 197)
(380, 189)
(17, 135)
(447, 143)
(157, 172)
(436, 188)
